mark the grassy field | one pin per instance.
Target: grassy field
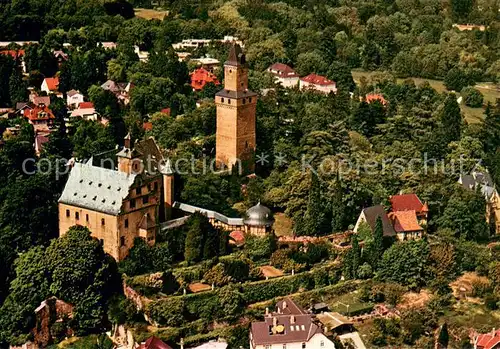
(147, 13)
(472, 115)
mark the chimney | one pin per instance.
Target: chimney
(292, 319)
(267, 311)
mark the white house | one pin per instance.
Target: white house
(74, 98)
(51, 85)
(290, 327)
(319, 83)
(284, 75)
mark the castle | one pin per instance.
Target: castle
(119, 203)
(236, 105)
(128, 193)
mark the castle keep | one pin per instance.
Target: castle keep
(235, 139)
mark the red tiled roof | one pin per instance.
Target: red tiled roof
(406, 202)
(317, 80)
(13, 53)
(405, 221)
(488, 340)
(52, 83)
(238, 237)
(200, 77)
(86, 105)
(165, 111)
(147, 126)
(40, 112)
(154, 343)
(41, 100)
(372, 97)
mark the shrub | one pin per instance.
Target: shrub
(456, 79)
(473, 98)
(365, 271)
(491, 301)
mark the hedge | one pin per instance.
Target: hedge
(206, 305)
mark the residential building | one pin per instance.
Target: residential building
(40, 116)
(289, 327)
(284, 75)
(85, 111)
(49, 312)
(208, 63)
(482, 181)
(236, 108)
(74, 98)
(119, 195)
(489, 340)
(120, 89)
(61, 57)
(200, 77)
(318, 83)
(198, 43)
(406, 218)
(50, 85)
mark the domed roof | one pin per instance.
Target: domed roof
(259, 215)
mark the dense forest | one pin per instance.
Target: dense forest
(327, 156)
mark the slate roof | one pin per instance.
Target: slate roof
(236, 56)
(96, 188)
(371, 215)
(235, 94)
(479, 179)
(297, 326)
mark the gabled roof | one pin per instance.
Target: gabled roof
(71, 93)
(371, 215)
(97, 188)
(52, 83)
(489, 340)
(372, 97)
(282, 70)
(41, 100)
(405, 221)
(154, 343)
(86, 105)
(39, 112)
(406, 202)
(317, 80)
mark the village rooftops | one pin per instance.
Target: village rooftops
(405, 221)
(97, 188)
(488, 340)
(39, 112)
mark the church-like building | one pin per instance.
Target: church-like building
(236, 106)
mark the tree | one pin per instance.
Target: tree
(17, 87)
(473, 98)
(461, 9)
(375, 250)
(356, 256)
(456, 79)
(451, 119)
(260, 247)
(405, 263)
(443, 337)
(338, 207)
(316, 219)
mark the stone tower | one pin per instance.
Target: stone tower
(235, 139)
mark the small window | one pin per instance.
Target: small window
(149, 186)
(222, 100)
(87, 217)
(228, 101)
(138, 191)
(249, 99)
(67, 213)
(77, 215)
(103, 221)
(244, 100)
(145, 200)
(122, 241)
(132, 203)
(284, 346)
(268, 347)
(126, 223)
(322, 344)
(303, 345)
(230, 71)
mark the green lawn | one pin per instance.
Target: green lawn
(339, 304)
(472, 115)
